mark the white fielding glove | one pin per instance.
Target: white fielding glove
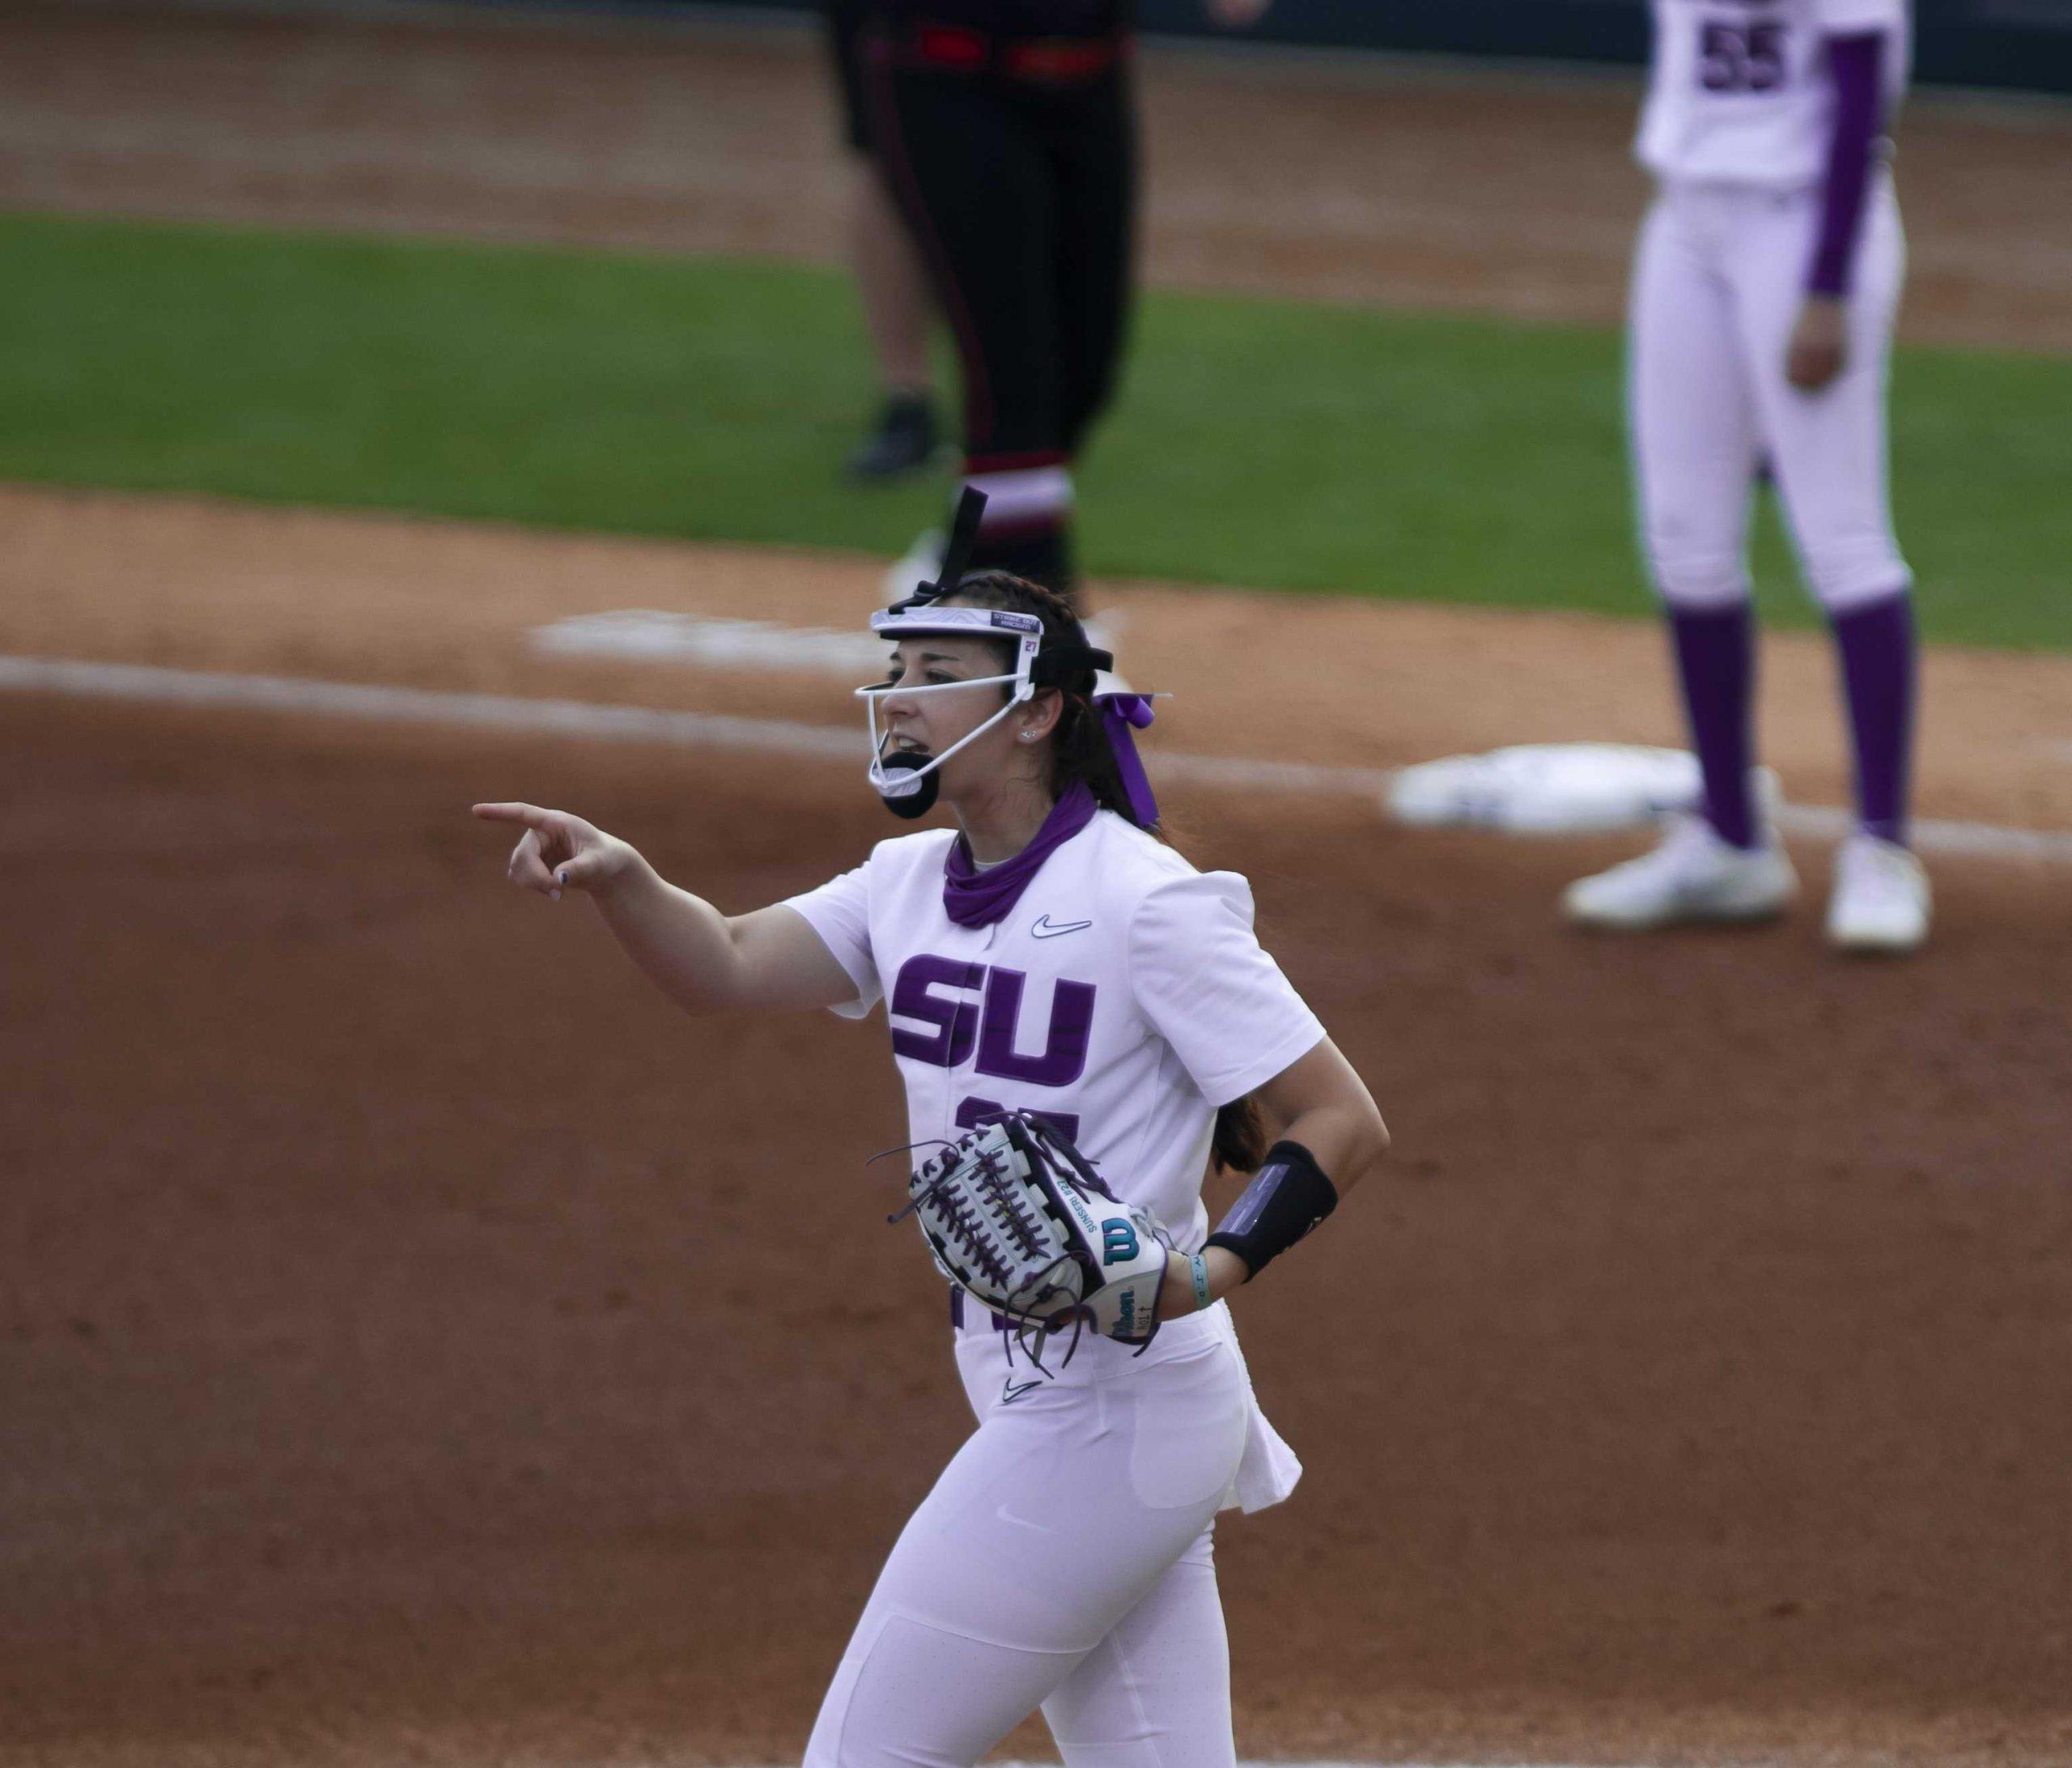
(1017, 1218)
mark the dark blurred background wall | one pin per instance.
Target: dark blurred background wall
(1964, 42)
(2012, 43)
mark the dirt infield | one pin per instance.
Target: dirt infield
(403, 1352)
(403, 1347)
(197, 584)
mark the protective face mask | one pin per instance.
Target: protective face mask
(901, 780)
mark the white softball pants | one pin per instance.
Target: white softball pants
(1718, 279)
(1062, 1561)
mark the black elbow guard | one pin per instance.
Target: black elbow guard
(1287, 1196)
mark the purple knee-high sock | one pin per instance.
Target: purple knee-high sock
(1716, 666)
(1877, 654)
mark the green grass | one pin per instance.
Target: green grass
(1434, 458)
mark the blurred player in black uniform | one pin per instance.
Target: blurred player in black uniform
(1007, 133)
(898, 311)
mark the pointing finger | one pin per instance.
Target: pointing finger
(530, 814)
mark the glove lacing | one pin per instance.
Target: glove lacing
(1013, 1219)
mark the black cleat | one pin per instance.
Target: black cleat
(903, 442)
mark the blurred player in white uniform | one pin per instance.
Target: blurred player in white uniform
(1764, 289)
(1049, 953)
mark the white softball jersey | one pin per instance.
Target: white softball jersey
(1124, 996)
(1064, 1558)
(1737, 92)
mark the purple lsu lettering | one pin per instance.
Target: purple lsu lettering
(953, 1007)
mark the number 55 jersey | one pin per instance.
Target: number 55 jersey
(1738, 91)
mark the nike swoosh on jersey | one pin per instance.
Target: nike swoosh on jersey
(1011, 1391)
(1047, 929)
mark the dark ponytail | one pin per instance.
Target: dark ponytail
(1081, 751)
(1239, 1144)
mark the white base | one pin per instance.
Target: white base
(1547, 789)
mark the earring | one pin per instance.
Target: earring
(1029, 736)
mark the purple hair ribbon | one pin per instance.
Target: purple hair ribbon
(1123, 714)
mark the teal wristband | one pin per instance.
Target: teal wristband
(1201, 1266)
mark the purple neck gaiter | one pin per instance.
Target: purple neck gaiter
(975, 898)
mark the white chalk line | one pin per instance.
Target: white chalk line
(587, 718)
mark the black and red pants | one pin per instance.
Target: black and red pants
(1013, 159)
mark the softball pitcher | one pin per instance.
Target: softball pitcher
(1049, 955)
(1764, 289)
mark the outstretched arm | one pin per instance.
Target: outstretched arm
(705, 962)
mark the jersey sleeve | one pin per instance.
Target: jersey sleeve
(1853, 63)
(1202, 980)
(839, 910)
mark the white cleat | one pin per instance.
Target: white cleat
(1881, 902)
(1691, 876)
